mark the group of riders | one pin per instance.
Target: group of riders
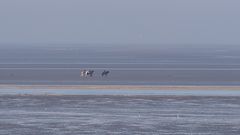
(85, 73)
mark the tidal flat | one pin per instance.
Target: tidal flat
(108, 114)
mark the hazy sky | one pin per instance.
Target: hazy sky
(120, 21)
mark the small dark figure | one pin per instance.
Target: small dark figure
(90, 73)
(105, 73)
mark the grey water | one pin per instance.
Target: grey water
(61, 64)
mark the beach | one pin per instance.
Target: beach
(43, 92)
(119, 87)
(120, 90)
(62, 66)
(109, 114)
(123, 67)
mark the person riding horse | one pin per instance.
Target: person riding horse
(105, 73)
(85, 73)
(90, 72)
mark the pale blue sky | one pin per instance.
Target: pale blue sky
(120, 21)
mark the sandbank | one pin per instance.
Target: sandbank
(122, 87)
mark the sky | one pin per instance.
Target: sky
(115, 22)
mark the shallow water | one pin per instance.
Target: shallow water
(96, 114)
(120, 92)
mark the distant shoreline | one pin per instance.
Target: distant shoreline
(121, 87)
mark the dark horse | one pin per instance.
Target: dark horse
(105, 73)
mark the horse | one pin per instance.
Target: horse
(90, 73)
(85, 73)
(105, 73)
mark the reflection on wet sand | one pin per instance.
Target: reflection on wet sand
(94, 115)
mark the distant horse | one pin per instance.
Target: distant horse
(85, 73)
(105, 73)
(90, 72)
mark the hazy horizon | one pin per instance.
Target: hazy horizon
(185, 23)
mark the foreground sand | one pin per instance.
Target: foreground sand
(121, 87)
(128, 115)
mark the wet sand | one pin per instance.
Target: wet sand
(120, 74)
(119, 87)
(133, 115)
(59, 65)
(158, 72)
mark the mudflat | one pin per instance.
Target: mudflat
(94, 115)
(120, 87)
